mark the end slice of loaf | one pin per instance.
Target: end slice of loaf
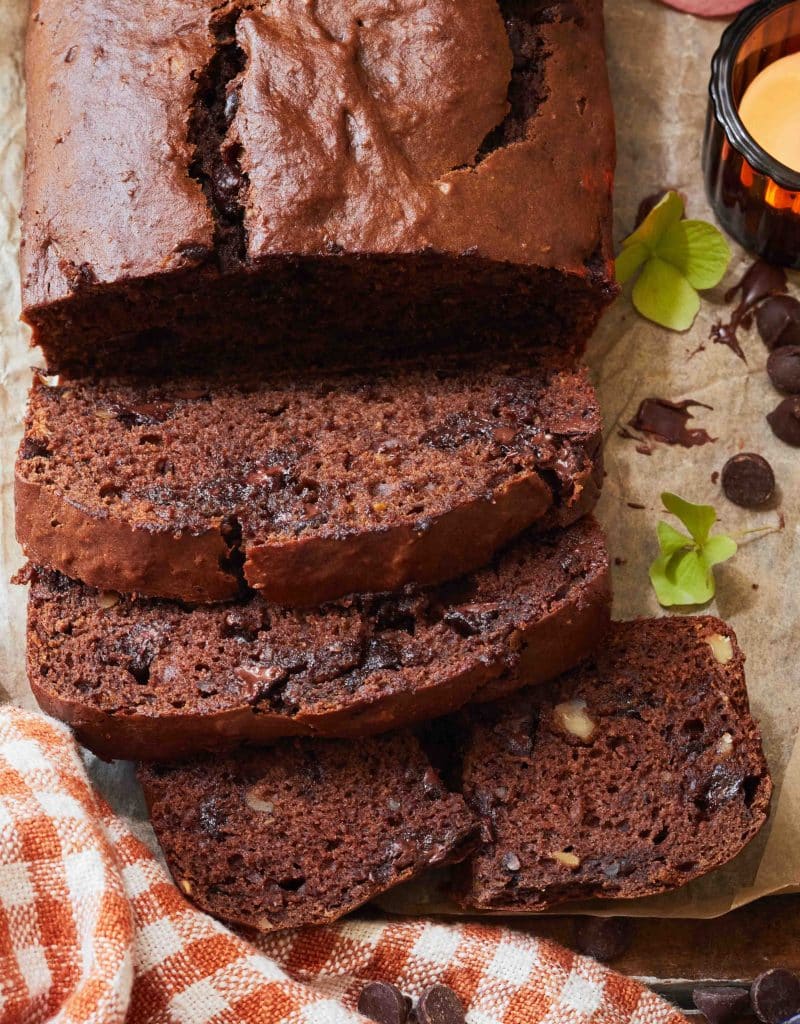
(631, 775)
(304, 490)
(305, 831)
(153, 680)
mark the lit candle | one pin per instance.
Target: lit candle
(770, 110)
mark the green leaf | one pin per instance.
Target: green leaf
(719, 549)
(666, 213)
(662, 294)
(682, 578)
(630, 260)
(682, 573)
(698, 250)
(671, 540)
(698, 519)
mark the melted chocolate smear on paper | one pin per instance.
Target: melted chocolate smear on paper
(668, 422)
(760, 282)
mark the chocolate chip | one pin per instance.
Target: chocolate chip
(775, 995)
(721, 1003)
(383, 1003)
(748, 480)
(440, 1005)
(783, 367)
(785, 421)
(778, 321)
(603, 938)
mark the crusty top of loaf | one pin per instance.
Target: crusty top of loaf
(363, 127)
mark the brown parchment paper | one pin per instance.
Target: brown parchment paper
(659, 64)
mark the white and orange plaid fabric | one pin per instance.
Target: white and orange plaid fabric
(92, 931)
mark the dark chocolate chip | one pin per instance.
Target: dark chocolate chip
(775, 995)
(383, 1003)
(783, 367)
(603, 938)
(721, 1004)
(785, 421)
(778, 321)
(440, 1005)
(748, 480)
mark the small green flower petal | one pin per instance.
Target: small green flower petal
(662, 294)
(698, 250)
(630, 260)
(671, 540)
(682, 578)
(698, 519)
(666, 213)
(719, 549)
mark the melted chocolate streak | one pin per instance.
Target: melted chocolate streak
(760, 282)
(668, 422)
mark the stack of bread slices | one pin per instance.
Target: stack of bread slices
(307, 486)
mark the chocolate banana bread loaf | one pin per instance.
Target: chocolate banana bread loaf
(146, 679)
(631, 775)
(304, 491)
(305, 831)
(313, 182)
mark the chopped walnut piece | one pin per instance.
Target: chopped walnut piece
(573, 718)
(721, 646)
(569, 860)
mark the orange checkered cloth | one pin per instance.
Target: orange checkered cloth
(92, 931)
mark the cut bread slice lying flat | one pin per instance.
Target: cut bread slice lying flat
(157, 680)
(629, 776)
(305, 491)
(305, 831)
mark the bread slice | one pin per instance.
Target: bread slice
(305, 831)
(151, 679)
(629, 776)
(304, 491)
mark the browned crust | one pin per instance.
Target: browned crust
(537, 652)
(112, 555)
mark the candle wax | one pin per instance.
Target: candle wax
(770, 110)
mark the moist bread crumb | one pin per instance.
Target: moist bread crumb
(306, 490)
(145, 679)
(305, 831)
(668, 784)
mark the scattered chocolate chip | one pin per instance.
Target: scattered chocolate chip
(603, 938)
(440, 1005)
(783, 367)
(383, 1003)
(721, 1004)
(775, 995)
(761, 281)
(778, 321)
(748, 480)
(668, 421)
(511, 862)
(785, 421)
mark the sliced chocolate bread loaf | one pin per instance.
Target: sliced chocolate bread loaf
(305, 831)
(313, 183)
(304, 491)
(631, 775)
(148, 679)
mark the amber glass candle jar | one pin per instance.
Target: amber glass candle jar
(755, 197)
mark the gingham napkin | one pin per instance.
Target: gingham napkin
(93, 930)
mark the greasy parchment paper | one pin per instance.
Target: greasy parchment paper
(659, 63)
